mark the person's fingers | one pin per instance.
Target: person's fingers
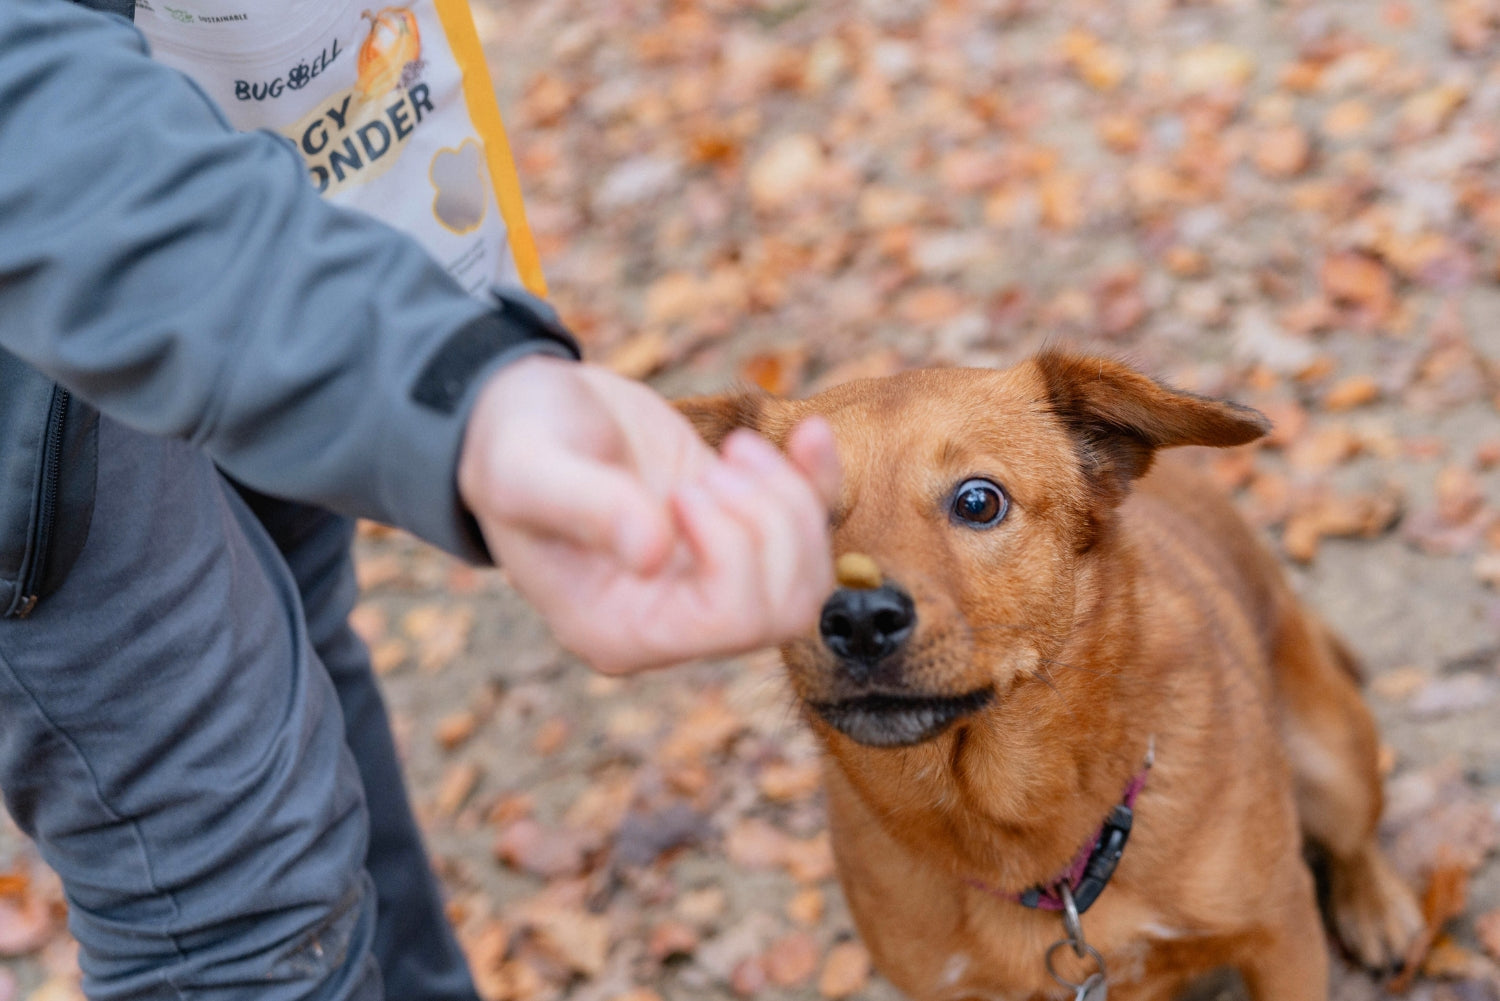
(724, 547)
(586, 502)
(792, 520)
(812, 450)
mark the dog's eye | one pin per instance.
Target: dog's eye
(979, 503)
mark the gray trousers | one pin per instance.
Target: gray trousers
(193, 736)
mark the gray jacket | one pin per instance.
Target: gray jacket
(187, 280)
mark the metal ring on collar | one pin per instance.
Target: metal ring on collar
(1088, 951)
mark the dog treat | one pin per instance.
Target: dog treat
(858, 571)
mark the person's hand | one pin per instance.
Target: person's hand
(637, 544)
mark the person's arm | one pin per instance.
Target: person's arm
(188, 280)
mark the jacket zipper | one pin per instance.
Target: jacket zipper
(52, 448)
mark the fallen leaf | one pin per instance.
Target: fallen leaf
(1447, 892)
(748, 977)
(641, 355)
(25, 926)
(457, 784)
(1214, 66)
(574, 937)
(785, 171)
(845, 972)
(644, 836)
(790, 782)
(1355, 391)
(756, 844)
(526, 845)
(671, 938)
(1283, 151)
(455, 729)
(791, 959)
(806, 907)
(1357, 280)
(551, 736)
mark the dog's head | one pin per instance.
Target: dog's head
(982, 497)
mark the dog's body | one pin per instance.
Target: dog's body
(1028, 663)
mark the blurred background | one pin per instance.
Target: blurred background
(1296, 204)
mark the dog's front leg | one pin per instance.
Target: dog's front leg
(1292, 963)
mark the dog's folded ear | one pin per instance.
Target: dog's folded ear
(1118, 418)
(715, 416)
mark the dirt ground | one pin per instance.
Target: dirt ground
(1296, 204)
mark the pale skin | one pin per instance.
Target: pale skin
(639, 545)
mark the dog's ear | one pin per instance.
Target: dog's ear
(1118, 418)
(715, 416)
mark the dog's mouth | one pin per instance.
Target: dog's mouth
(898, 720)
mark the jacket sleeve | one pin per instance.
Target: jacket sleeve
(188, 281)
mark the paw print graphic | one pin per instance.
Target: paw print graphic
(458, 176)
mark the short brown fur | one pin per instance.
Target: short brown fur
(1120, 603)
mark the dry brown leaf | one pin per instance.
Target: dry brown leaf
(756, 844)
(1355, 391)
(1283, 151)
(455, 729)
(1215, 66)
(1487, 929)
(791, 959)
(785, 171)
(640, 355)
(456, 786)
(778, 372)
(25, 926)
(709, 728)
(526, 845)
(671, 938)
(809, 860)
(1447, 893)
(807, 906)
(551, 736)
(748, 977)
(845, 972)
(790, 782)
(1354, 279)
(572, 936)
(440, 634)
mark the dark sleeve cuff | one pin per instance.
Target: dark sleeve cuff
(520, 325)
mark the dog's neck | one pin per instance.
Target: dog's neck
(1010, 795)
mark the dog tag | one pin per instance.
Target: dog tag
(1093, 989)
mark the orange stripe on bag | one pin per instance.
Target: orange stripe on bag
(479, 94)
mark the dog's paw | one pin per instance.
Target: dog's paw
(1375, 914)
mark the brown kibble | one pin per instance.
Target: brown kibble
(858, 571)
(846, 971)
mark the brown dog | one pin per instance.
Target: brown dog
(1049, 620)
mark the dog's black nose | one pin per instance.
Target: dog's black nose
(866, 625)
